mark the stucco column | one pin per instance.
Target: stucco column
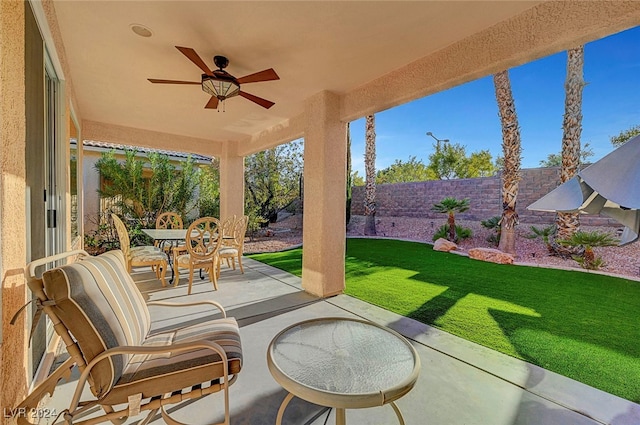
(325, 168)
(231, 181)
(13, 340)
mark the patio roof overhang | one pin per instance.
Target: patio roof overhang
(372, 55)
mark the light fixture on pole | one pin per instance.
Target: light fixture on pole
(437, 140)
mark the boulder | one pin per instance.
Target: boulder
(491, 255)
(444, 245)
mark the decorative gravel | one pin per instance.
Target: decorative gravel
(619, 260)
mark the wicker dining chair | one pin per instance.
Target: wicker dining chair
(203, 240)
(232, 248)
(142, 255)
(170, 220)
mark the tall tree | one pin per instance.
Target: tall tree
(272, 179)
(511, 148)
(569, 223)
(370, 176)
(624, 136)
(413, 170)
(555, 159)
(451, 162)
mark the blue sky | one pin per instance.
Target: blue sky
(468, 114)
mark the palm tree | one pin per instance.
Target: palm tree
(589, 240)
(511, 152)
(370, 176)
(450, 206)
(569, 223)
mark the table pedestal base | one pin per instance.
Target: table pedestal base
(340, 413)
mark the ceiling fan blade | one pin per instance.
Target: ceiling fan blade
(154, 80)
(266, 75)
(255, 99)
(193, 57)
(212, 103)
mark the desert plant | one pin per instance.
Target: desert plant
(493, 224)
(141, 199)
(450, 206)
(103, 237)
(256, 221)
(589, 240)
(461, 232)
(544, 233)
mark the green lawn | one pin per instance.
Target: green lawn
(582, 325)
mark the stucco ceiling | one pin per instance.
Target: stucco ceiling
(313, 46)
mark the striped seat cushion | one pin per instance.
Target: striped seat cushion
(98, 302)
(158, 374)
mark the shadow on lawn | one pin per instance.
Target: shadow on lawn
(582, 325)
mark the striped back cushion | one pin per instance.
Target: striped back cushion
(98, 302)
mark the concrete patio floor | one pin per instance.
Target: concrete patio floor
(461, 383)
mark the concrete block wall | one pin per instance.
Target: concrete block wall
(416, 199)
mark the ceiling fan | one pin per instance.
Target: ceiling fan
(219, 83)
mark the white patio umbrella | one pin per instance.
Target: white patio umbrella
(610, 186)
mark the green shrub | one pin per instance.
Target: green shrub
(588, 260)
(462, 233)
(492, 223)
(545, 234)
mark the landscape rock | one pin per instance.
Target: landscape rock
(444, 245)
(491, 255)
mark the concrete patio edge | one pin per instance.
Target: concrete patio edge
(573, 395)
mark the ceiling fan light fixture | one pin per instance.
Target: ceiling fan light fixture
(220, 88)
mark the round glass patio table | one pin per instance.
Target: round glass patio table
(343, 363)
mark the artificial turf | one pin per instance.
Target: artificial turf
(585, 326)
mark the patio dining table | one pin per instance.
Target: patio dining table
(172, 237)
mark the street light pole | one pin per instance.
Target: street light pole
(437, 141)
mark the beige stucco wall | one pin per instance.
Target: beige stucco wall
(13, 347)
(111, 133)
(546, 29)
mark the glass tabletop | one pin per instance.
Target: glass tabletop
(343, 357)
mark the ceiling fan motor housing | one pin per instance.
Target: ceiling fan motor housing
(221, 61)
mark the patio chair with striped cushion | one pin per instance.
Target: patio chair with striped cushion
(105, 324)
(140, 256)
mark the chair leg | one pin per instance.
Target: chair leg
(215, 271)
(162, 268)
(191, 272)
(176, 277)
(240, 263)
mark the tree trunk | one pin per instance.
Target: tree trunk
(569, 223)
(511, 149)
(452, 228)
(370, 171)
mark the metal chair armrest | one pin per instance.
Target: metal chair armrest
(31, 267)
(186, 346)
(188, 304)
